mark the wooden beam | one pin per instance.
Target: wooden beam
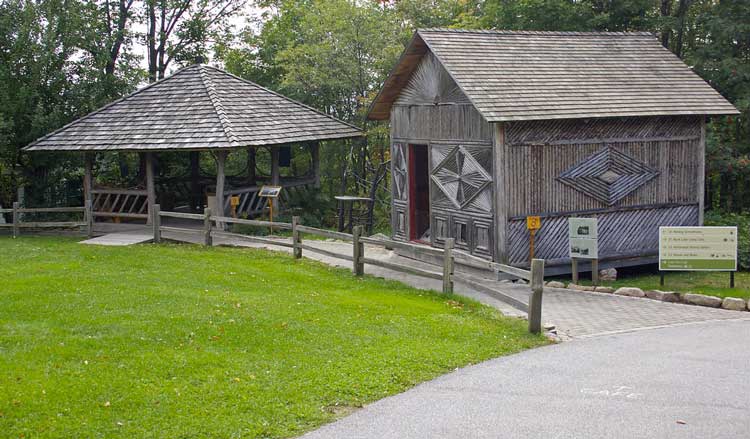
(196, 199)
(500, 203)
(88, 178)
(315, 155)
(275, 173)
(251, 165)
(150, 187)
(221, 157)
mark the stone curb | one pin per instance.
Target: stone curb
(728, 303)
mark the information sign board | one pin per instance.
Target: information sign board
(583, 238)
(698, 248)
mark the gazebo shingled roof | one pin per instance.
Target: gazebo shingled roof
(529, 75)
(197, 108)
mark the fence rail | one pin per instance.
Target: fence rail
(18, 223)
(213, 226)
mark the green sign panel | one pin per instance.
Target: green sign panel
(698, 248)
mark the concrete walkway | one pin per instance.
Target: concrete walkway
(679, 382)
(120, 239)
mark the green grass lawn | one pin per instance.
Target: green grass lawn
(702, 282)
(180, 341)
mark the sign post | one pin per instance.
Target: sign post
(583, 243)
(533, 223)
(271, 192)
(698, 249)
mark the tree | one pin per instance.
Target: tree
(179, 30)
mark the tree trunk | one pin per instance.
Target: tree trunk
(682, 9)
(666, 33)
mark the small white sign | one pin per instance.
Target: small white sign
(583, 238)
(583, 228)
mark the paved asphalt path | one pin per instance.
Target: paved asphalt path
(687, 381)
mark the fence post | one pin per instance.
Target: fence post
(207, 241)
(535, 300)
(16, 220)
(448, 266)
(156, 223)
(359, 252)
(296, 240)
(595, 272)
(89, 218)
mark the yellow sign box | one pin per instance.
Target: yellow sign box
(234, 201)
(533, 222)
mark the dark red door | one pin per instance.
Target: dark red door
(419, 193)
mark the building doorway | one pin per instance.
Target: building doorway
(419, 194)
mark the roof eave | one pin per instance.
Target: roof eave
(380, 110)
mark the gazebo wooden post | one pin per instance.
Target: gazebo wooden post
(221, 157)
(150, 188)
(251, 163)
(315, 155)
(88, 176)
(275, 174)
(195, 174)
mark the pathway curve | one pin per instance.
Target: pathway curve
(679, 382)
(574, 313)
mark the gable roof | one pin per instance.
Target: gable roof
(514, 75)
(198, 107)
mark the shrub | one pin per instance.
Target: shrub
(742, 221)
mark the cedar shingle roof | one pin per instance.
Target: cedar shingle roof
(511, 75)
(199, 107)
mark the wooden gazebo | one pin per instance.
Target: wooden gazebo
(198, 109)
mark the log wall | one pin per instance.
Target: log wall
(551, 170)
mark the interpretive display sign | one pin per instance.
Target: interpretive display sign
(698, 248)
(583, 238)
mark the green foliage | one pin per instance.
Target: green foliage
(742, 221)
(56, 65)
(145, 341)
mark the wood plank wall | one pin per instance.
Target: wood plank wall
(438, 122)
(538, 152)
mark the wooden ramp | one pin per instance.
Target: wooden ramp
(120, 239)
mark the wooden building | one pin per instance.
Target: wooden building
(197, 110)
(489, 127)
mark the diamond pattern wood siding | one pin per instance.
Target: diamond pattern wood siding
(624, 233)
(512, 76)
(199, 107)
(462, 176)
(608, 175)
(461, 196)
(668, 147)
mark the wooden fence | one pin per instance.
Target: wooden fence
(447, 273)
(17, 223)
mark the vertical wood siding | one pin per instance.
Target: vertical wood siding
(538, 152)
